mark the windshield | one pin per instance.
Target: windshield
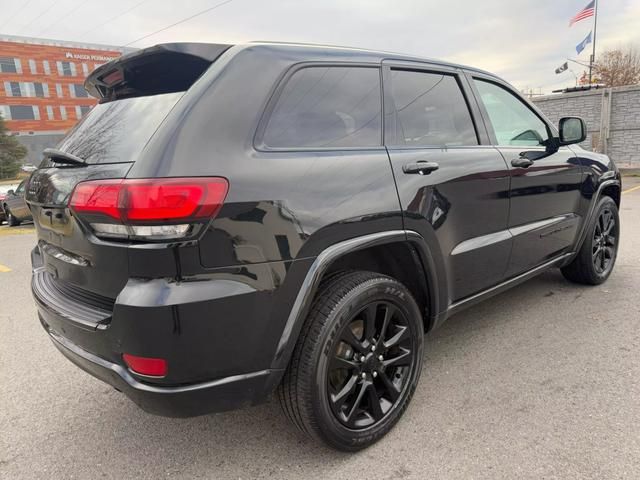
(117, 131)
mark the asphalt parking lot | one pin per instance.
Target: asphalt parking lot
(540, 382)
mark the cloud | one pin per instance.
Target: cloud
(521, 40)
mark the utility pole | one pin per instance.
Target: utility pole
(593, 52)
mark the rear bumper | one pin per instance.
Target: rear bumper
(177, 401)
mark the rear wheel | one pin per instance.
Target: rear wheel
(597, 256)
(357, 362)
(11, 220)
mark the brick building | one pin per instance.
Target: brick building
(41, 87)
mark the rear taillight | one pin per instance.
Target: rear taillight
(150, 209)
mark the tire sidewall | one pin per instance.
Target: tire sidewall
(372, 290)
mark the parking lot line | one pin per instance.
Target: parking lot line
(631, 189)
(4, 268)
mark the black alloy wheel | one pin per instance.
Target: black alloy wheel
(596, 258)
(604, 242)
(370, 365)
(357, 361)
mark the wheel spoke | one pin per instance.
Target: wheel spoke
(370, 321)
(362, 389)
(341, 362)
(400, 335)
(391, 389)
(403, 359)
(349, 387)
(596, 252)
(374, 403)
(388, 315)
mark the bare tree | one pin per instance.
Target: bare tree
(619, 67)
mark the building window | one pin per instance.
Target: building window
(66, 69)
(32, 67)
(50, 112)
(81, 111)
(12, 89)
(63, 113)
(24, 112)
(46, 67)
(59, 90)
(85, 69)
(10, 65)
(39, 89)
(77, 90)
(5, 113)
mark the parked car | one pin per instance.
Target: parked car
(290, 218)
(28, 168)
(14, 207)
(3, 193)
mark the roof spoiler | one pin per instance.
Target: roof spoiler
(165, 68)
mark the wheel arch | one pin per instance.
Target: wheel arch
(402, 251)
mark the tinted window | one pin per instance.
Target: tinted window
(513, 122)
(327, 107)
(118, 131)
(22, 112)
(430, 110)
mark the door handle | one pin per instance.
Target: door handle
(421, 167)
(521, 162)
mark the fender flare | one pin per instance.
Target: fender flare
(320, 266)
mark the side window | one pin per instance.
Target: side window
(322, 107)
(20, 188)
(513, 122)
(430, 110)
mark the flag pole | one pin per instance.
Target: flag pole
(593, 52)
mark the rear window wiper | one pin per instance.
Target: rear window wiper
(59, 156)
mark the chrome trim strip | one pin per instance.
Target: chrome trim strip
(482, 241)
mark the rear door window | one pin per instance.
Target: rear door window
(327, 107)
(430, 110)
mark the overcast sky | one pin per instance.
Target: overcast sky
(521, 40)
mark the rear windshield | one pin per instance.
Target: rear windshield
(116, 132)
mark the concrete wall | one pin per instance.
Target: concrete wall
(612, 116)
(36, 144)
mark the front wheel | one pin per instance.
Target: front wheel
(594, 262)
(357, 362)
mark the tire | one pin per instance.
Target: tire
(353, 314)
(597, 256)
(11, 220)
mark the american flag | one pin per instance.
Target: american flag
(586, 12)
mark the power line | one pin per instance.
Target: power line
(46, 10)
(102, 24)
(16, 13)
(179, 22)
(76, 6)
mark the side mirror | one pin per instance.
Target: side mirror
(11, 192)
(572, 130)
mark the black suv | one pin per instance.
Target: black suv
(231, 221)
